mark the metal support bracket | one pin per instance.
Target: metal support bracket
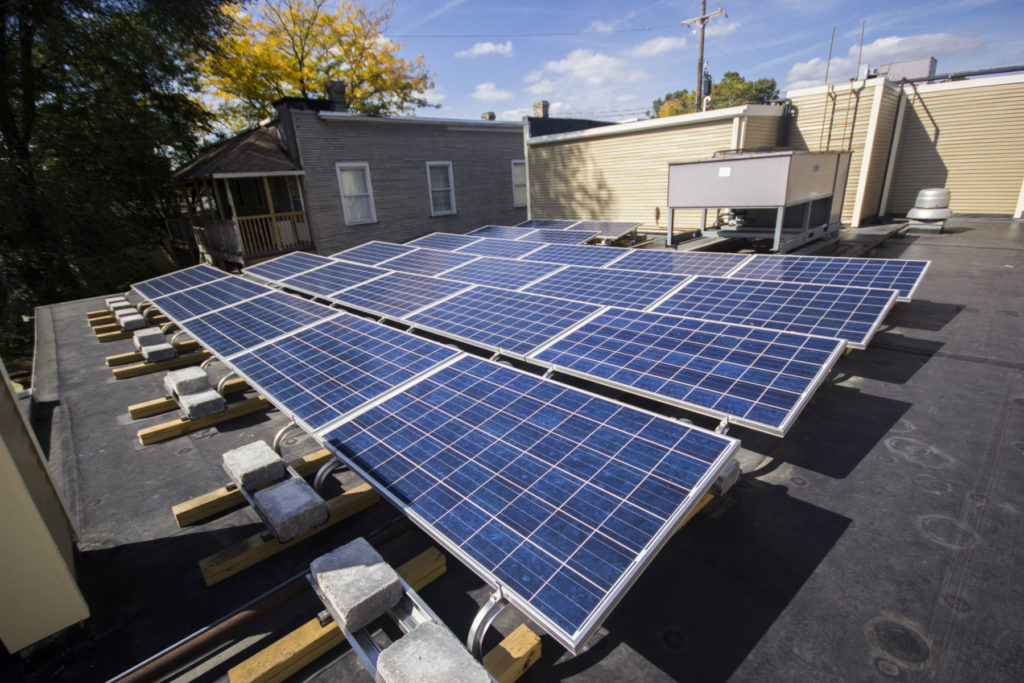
(548, 373)
(325, 471)
(207, 363)
(323, 617)
(281, 433)
(484, 618)
(174, 339)
(723, 426)
(223, 382)
(167, 327)
(496, 355)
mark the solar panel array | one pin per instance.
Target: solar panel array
(443, 240)
(500, 272)
(332, 278)
(287, 265)
(194, 301)
(491, 246)
(608, 287)
(898, 274)
(609, 230)
(680, 263)
(373, 253)
(177, 281)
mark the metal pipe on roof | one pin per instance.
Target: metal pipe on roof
(967, 74)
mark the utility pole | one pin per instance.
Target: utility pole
(701, 21)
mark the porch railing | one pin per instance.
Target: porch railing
(270, 233)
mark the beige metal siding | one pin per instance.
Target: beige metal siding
(761, 132)
(967, 138)
(885, 122)
(397, 154)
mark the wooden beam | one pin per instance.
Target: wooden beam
(126, 371)
(224, 499)
(186, 346)
(102, 320)
(107, 327)
(309, 642)
(255, 549)
(113, 336)
(174, 428)
(166, 404)
(513, 656)
(103, 312)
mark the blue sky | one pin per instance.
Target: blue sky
(609, 59)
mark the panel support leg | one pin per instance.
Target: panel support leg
(281, 433)
(223, 381)
(328, 468)
(484, 618)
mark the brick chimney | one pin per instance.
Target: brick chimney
(487, 116)
(540, 109)
(336, 95)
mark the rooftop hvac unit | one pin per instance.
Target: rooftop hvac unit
(791, 198)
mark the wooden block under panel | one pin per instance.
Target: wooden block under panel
(136, 369)
(175, 428)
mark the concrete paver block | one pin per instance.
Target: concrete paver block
(153, 353)
(358, 584)
(291, 507)
(132, 322)
(186, 381)
(114, 300)
(253, 465)
(122, 311)
(426, 654)
(200, 404)
(147, 337)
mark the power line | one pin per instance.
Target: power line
(531, 35)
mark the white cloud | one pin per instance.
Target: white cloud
(488, 92)
(433, 96)
(721, 28)
(541, 87)
(657, 46)
(515, 114)
(593, 69)
(488, 48)
(601, 26)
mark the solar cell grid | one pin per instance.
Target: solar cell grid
(333, 277)
(496, 319)
(609, 287)
(194, 301)
(898, 274)
(490, 246)
(428, 261)
(559, 236)
(373, 253)
(546, 223)
(500, 272)
(850, 313)
(680, 263)
(501, 232)
(558, 495)
(575, 255)
(759, 378)
(443, 240)
(322, 372)
(178, 280)
(287, 265)
(398, 294)
(607, 229)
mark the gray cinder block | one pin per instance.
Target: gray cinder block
(131, 322)
(358, 584)
(124, 311)
(426, 654)
(253, 465)
(147, 337)
(186, 381)
(200, 404)
(158, 352)
(291, 507)
(114, 300)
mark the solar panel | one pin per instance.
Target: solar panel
(443, 240)
(756, 377)
(501, 272)
(490, 246)
(188, 303)
(546, 223)
(898, 274)
(557, 496)
(286, 266)
(398, 294)
(322, 372)
(609, 230)
(178, 280)
(230, 330)
(559, 236)
(429, 261)
(496, 319)
(373, 253)
(334, 277)
(609, 287)
(850, 313)
(681, 263)
(501, 232)
(576, 255)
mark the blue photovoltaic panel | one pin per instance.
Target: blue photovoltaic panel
(428, 261)
(611, 230)
(898, 274)
(497, 319)
(398, 294)
(178, 280)
(501, 272)
(680, 263)
(609, 287)
(570, 255)
(758, 378)
(324, 371)
(230, 330)
(558, 496)
(501, 232)
(443, 240)
(850, 313)
(286, 266)
(198, 300)
(546, 224)
(373, 253)
(489, 246)
(559, 236)
(335, 276)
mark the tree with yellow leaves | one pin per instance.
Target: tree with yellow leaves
(292, 48)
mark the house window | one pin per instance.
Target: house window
(518, 183)
(356, 193)
(441, 187)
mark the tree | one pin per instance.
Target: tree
(96, 108)
(731, 91)
(292, 48)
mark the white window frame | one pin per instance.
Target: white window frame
(365, 166)
(451, 188)
(526, 184)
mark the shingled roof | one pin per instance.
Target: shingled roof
(254, 151)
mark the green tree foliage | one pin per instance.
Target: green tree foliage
(731, 91)
(96, 108)
(292, 48)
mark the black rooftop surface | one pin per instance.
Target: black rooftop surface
(253, 151)
(881, 539)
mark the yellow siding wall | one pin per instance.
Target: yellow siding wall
(967, 138)
(762, 132)
(886, 122)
